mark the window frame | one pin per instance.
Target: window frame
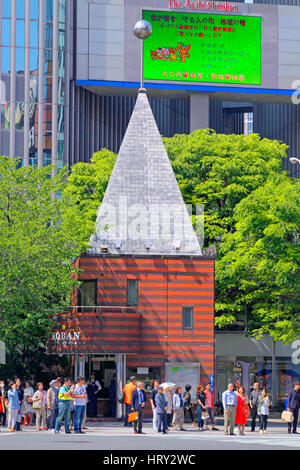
(86, 308)
(191, 327)
(137, 293)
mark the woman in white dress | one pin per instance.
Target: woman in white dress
(27, 407)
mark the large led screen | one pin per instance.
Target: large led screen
(197, 47)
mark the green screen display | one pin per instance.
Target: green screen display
(196, 47)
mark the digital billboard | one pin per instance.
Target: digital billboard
(196, 47)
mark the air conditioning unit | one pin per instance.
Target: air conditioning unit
(104, 249)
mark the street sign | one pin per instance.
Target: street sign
(2, 353)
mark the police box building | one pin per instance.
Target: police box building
(146, 303)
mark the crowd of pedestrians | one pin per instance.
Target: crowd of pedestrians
(64, 402)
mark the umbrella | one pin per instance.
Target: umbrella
(165, 385)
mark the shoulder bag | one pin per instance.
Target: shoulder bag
(37, 404)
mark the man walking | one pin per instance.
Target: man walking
(229, 399)
(64, 403)
(254, 404)
(80, 396)
(152, 401)
(138, 401)
(161, 407)
(293, 406)
(127, 390)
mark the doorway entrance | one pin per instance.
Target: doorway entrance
(105, 379)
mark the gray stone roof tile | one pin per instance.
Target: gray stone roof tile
(143, 196)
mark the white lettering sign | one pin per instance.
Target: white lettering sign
(64, 337)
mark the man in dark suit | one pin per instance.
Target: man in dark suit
(293, 406)
(138, 401)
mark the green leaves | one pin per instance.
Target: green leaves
(263, 257)
(40, 237)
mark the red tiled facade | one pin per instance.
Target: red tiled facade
(152, 332)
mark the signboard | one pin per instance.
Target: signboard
(64, 338)
(142, 370)
(202, 47)
(183, 374)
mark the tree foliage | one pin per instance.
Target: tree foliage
(220, 170)
(240, 180)
(40, 237)
(259, 266)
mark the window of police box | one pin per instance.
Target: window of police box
(146, 375)
(132, 292)
(187, 318)
(87, 296)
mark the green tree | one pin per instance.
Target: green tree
(86, 186)
(258, 273)
(219, 170)
(40, 237)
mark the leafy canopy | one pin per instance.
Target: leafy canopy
(40, 237)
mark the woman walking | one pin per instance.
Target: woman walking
(13, 406)
(241, 410)
(210, 406)
(40, 400)
(264, 404)
(27, 407)
(200, 397)
(178, 416)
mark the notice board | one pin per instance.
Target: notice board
(182, 374)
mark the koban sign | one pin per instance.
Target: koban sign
(60, 337)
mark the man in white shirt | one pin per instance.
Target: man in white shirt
(229, 399)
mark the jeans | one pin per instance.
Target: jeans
(190, 412)
(63, 412)
(53, 417)
(162, 420)
(200, 421)
(210, 412)
(78, 417)
(127, 410)
(253, 416)
(263, 421)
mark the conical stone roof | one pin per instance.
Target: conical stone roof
(143, 211)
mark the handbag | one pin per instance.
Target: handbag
(133, 416)
(37, 404)
(247, 411)
(287, 416)
(205, 415)
(122, 398)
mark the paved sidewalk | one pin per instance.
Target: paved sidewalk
(113, 436)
